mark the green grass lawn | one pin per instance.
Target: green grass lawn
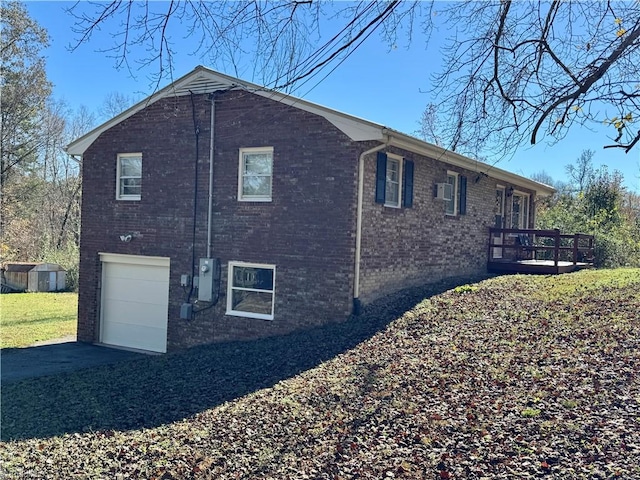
(26, 318)
(516, 376)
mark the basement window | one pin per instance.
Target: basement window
(251, 290)
(129, 176)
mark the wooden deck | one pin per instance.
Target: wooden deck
(545, 267)
(538, 251)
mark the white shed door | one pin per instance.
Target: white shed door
(135, 301)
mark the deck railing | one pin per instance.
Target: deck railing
(516, 244)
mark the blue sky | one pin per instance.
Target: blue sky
(375, 83)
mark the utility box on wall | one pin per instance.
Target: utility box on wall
(209, 273)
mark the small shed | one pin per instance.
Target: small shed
(34, 277)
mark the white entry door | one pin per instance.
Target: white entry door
(135, 301)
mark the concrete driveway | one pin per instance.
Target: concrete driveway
(58, 356)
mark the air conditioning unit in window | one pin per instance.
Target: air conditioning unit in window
(444, 191)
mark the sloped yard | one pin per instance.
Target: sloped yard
(513, 377)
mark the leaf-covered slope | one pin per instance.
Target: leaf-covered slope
(513, 377)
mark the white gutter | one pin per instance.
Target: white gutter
(211, 154)
(356, 279)
(412, 144)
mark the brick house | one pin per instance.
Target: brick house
(218, 210)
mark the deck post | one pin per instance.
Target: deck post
(576, 239)
(556, 250)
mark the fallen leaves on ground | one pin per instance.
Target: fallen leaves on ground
(521, 377)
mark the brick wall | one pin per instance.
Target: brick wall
(404, 247)
(307, 231)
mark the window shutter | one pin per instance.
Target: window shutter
(381, 177)
(463, 195)
(407, 192)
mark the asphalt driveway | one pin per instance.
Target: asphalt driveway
(54, 358)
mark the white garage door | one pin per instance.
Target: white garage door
(135, 301)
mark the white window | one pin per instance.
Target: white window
(255, 174)
(451, 205)
(499, 208)
(393, 183)
(129, 176)
(520, 210)
(251, 290)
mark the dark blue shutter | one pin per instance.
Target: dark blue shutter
(381, 177)
(407, 191)
(463, 195)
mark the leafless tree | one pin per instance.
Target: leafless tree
(520, 71)
(277, 43)
(115, 103)
(430, 130)
(543, 177)
(514, 72)
(582, 173)
(41, 208)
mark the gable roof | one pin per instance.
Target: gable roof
(204, 80)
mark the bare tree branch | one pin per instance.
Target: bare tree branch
(589, 81)
(509, 68)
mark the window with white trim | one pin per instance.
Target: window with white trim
(255, 174)
(129, 176)
(451, 205)
(251, 290)
(393, 184)
(520, 210)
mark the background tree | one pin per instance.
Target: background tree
(517, 71)
(25, 88)
(513, 72)
(582, 173)
(544, 177)
(277, 43)
(597, 203)
(41, 184)
(114, 104)
(41, 212)
(430, 126)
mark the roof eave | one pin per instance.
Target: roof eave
(80, 145)
(355, 128)
(415, 145)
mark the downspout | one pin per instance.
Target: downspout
(212, 98)
(196, 128)
(356, 279)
